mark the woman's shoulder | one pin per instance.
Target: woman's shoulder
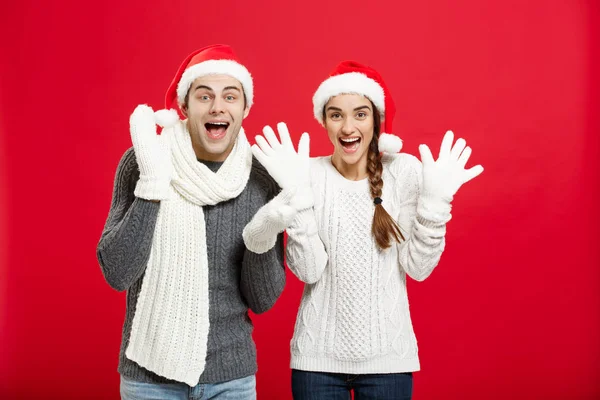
(318, 166)
(401, 163)
(319, 162)
(402, 175)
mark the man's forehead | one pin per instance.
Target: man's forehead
(217, 81)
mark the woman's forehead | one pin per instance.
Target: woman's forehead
(348, 101)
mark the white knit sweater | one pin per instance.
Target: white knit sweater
(354, 316)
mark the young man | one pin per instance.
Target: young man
(173, 239)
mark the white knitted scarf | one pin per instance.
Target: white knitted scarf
(170, 327)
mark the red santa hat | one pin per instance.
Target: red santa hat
(217, 59)
(350, 77)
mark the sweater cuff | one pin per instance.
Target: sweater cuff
(152, 188)
(432, 211)
(258, 246)
(299, 198)
(260, 234)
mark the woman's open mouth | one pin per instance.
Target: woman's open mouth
(350, 144)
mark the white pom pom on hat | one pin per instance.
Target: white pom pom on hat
(166, 118)
(389, 143)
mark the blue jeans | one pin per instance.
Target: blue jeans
(237, 389)
(307, 385)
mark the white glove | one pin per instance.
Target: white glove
(153, 154)
(260, 234)
(443, 178)
(290, 169)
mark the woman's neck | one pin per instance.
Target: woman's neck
(353, 172)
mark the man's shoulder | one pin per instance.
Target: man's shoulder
(260, 179)
(259, 173)
(128, 160)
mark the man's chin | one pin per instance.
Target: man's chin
(216, 151)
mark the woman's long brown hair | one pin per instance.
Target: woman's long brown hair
(384, 228)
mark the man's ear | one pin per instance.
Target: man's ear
(246, 112)
(184, 110)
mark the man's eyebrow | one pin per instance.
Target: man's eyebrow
(203, 87)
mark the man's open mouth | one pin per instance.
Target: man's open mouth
(216, 130)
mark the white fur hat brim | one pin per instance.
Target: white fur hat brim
(216, 67)
(348, 83)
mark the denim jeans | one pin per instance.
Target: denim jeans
(307, 385)
(237, 389)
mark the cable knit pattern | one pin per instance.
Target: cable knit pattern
(354, 251)
(130, 225)
(170, 327)
(238, 279)
(354, 315)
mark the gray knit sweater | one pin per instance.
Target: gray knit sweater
(238, 278)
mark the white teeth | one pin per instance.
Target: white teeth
(218, 123)
(349, 140)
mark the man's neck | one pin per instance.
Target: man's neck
(202, 154)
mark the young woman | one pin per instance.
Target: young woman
(357, 224)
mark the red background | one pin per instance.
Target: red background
(512, 311)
